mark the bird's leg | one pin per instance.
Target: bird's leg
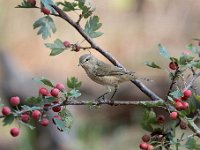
(116, 88)
(103, 96)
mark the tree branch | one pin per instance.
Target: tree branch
(192, 81)
(105, 53)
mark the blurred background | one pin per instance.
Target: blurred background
(132, 29)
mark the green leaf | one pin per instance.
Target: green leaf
(66, 117)
(92, 26)
(149, 120)
(47, 4)
(61, 125)
(46, 26)
(196, 64)
(164, 52)
(185, 59)
(29, 108)
(49, 99)
(33, 100)
(68, 6)
(26, 4)
(73, 83)
(27, 125)
(56, 48)
(152, 65)
(192, 48)
(191, 144)
(176, 94)
(44, 81)
(8, 120)
(74, 93)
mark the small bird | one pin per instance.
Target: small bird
(105, 74)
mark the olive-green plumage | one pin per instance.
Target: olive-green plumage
(103, 73)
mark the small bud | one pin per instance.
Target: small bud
(45, 10)
(146, 138)
(66, 44)
(173, 65)
(161, 119)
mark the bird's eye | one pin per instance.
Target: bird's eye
(86, 60)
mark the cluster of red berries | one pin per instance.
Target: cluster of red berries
(35, 114)
(144, 145)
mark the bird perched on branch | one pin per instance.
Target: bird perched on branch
(105, 74)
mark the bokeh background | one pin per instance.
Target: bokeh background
(132, 29)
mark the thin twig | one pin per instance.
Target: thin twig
(173, 81)
(105, 53)
(157, 103)
(192, 81)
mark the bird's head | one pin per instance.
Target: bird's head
(87, 61)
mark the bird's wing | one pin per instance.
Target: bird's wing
(104, 69)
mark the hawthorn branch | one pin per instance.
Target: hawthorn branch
(190, 83)
(105, 53)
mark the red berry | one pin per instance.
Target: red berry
(45, 10)
(43, 91)
(15, 100)
(187, 93)
(173, 115)
(150, 147)
(14, 132)
(185, 105)
(57, 117)
(146, 138)
(179, 105)
(36, 114)
(44, 122)
(66, 44)
(173, 65)
(57, 109)
(177, 99)
(25, 118)
(6, 111)
(161, 119)
(143, 146)
(55, 92)
(56, 101)
(60, 86)
(33, 2)
(183, 125)
(46, 106)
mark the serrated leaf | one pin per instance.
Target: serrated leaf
(164, 52)
(192, 48)
(56, 48)
(66, 117)
(196, 64)
(26, 4)
(49, 99)
(191, 144)
(29, 108)
(61, 125)
(149, 120)
(185, 59)
(44, 81)
(46, 26)
(33, 100)
(68, 6)
(92, 26)
(27, 125)
(74, 93)
(47, 4)
(176, 94)
(73, 83)
(152, 65)
(8, 120)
